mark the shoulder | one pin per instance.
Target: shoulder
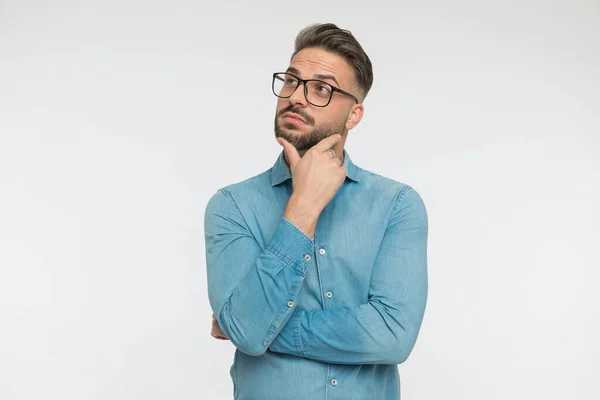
(385, 185)
(228, 197)
(404, 197)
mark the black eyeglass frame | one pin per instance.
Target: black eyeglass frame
(303, 81)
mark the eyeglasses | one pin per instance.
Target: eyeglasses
(316, 92)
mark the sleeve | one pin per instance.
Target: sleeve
(385, 329)
(252, 291)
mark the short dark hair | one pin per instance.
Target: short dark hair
(341, 42)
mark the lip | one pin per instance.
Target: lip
(291, 117)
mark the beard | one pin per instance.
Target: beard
(304, 141)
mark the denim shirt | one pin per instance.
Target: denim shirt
(328, 317)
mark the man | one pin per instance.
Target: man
(317, 269)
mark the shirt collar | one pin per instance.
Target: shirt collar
(281, 171)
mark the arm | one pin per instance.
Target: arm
(384, 330)
(251, 291)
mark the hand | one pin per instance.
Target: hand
(216, 332)
(316, 178)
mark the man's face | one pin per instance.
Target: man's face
(315, 123)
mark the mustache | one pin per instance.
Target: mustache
(298, 111)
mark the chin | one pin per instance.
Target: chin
(289, 128)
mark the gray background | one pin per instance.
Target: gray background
(119, 119)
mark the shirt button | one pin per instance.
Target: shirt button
(329, 294)
(334, 382)
(290, 304)
(307, 257)
(322, 251)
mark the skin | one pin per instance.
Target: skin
(341, 114)
(316, 176)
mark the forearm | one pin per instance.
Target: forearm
(302, 214)
(252, 291)
(371, 333)
(385, 329)
(266, 296)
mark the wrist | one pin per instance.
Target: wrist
(302, 214)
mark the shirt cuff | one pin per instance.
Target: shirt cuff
(288, 340)
(292, 246)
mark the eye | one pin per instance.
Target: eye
(322, 90)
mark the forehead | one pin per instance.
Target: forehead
(311, 62)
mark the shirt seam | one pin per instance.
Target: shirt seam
(298, 231)
(397, 200)
(283, 257)
(299, 338)
(399, 197)
(229, 196)
(285, 260)
(279, 255)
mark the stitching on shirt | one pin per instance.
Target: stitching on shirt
(399, 197)
(327, 381)
(288, 262)
(283, 257)
(280, 316)
(272, 323)
(298, 231)
(229, 197)
(298, 338)
(397, 202)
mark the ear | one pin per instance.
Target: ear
(355, 115)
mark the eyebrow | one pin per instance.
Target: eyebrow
(316, 76)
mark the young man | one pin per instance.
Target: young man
(317, 269)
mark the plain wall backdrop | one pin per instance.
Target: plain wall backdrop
(119, 120)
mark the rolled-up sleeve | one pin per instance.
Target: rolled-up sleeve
(252, 290)
(383, 330)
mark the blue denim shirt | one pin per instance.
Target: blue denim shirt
(322, 318)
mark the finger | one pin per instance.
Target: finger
(290, 151)
(328, 142)
(331, 153)
(217, 333)
(219, 337)
(215, 326)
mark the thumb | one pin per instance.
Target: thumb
(290, 151)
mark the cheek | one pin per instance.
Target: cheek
(333, 117)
